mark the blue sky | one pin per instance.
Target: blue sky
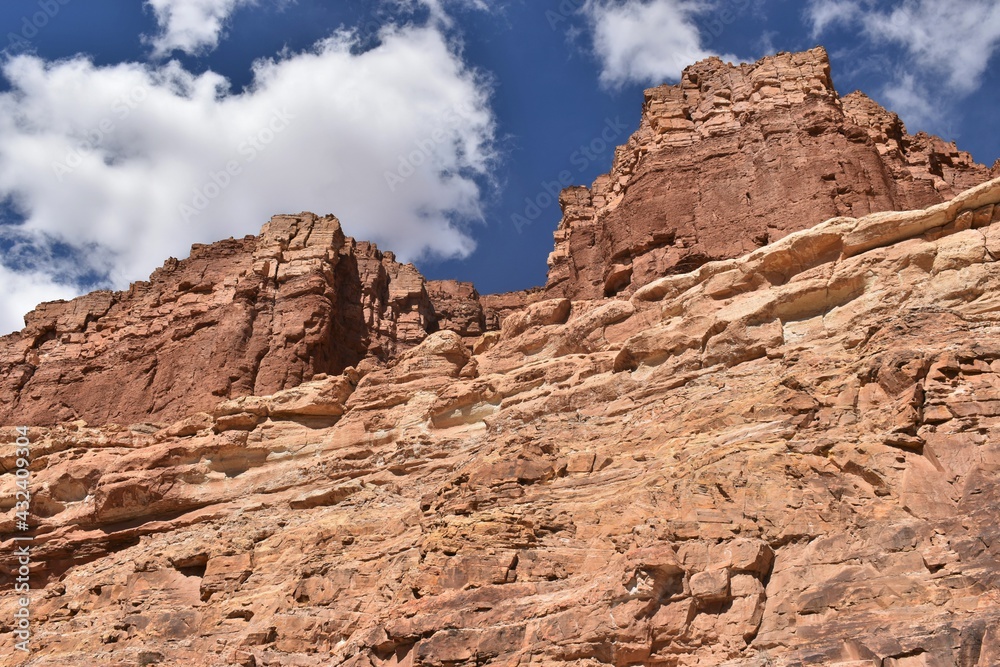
(440, 129)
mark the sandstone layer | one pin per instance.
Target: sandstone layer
(788, 458)
(734, 157)
(236, 318)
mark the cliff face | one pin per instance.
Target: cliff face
(789, 458)
(290, 449)
(238, 317)
(731, 158)
(734, 157)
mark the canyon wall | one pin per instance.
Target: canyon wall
(789, 458)
(737, 156)
(753, 420)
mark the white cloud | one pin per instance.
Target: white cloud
(955, 39)
(831, 12)
(104, 159)
(648, 41)
(437, 10)
(946, 47)
(192, 26)
(24, 291)
(911, 100)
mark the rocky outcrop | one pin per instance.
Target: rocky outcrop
(291, 449)
(731, 158)
(787, 458)
(457, 307)
(239, 317)
(735, 157)
(497, 307)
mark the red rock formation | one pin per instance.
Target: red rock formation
(734, 157)
(457, 307)
(789, 458)
(238, 317)
(499, 306)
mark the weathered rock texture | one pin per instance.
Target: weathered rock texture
(789, 458)
(497, 307)
(734, 157)
(300, 453)
(456, 307)
(238, 317)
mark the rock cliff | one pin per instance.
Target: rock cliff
(236, 318)
(788, 458)
(737, 156)
(290, 449)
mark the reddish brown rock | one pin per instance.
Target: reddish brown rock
(457, 307)
(789, 457)
(238, 317)
(785, 458)
(735, 157)
(497, 307)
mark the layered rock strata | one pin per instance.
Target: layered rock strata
(788, 458)
(737, 156)
(239, 317)
(687, 450)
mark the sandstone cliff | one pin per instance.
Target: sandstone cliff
(734, 157)
(238, 317)
(290, 449)
(787, 458)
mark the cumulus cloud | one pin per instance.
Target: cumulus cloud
(118, 167)
(649, 41)
(823, 15)
(946, 46)
(191, 26)
(911, 99)
(955, 39)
